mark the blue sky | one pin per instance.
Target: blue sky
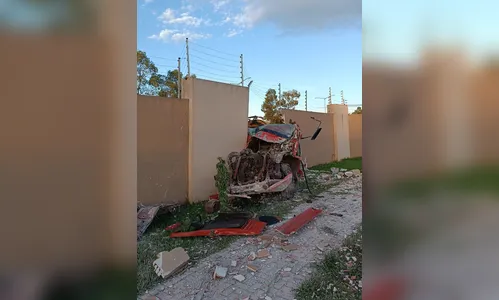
(304, 45)
(395, 30)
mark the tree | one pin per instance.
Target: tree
(167, 86)
(358, 111)
(272, 105)
(289, 99)
(146, 70)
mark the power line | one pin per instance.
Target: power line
(196, 62)
(212, 55)
(215, 50)
(215, 62)
(223, 70)
(211, 73)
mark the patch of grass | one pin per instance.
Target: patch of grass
(339, 275)
(347, 163)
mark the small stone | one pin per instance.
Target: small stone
(252, 268)
(287, 269)
(343, 170)
(268, 298)
(220, 272)
(239, 278)
(262, 253)
(252, 256)
(233, 263)
(356, 172)
(335, 171)
(348, 174)
(290, 247)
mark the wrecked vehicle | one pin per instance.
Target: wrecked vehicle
(270, 163)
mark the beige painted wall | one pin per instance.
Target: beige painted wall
(355, 135)
(218, 115)
(321, 150)
(341, 130)
(162, 149)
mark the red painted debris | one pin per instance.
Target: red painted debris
(173, 226)
(388, 289)
(293, 225)
(253, 227)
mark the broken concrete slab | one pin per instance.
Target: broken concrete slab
(290, 247)
(220, 272)
(252, 268)
(170, 262)
(263, 253)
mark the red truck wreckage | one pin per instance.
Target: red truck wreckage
(271, 162)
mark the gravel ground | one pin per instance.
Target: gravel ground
(278, 275)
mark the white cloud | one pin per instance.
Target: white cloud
(234, 32)
(181, 36)
(299, 15)
(177, 36)
(169, 17)
(218, 4)
(148, 1)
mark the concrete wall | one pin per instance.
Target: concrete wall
(355, 135)
(341, 130)
(321, 150)
(218, 118)
(162, 150)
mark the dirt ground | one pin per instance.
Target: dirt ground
(278, 275)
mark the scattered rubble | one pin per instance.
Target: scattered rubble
(263, 253)
(239, 278)
(289, 247)
(252, 268)
(220, 272)
(287, 269)
(252, 256)
(170, 262)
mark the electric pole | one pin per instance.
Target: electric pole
(342, 98)
(179, 79)
(306, 108)
(279, 91)
(330, 100)
(188, 60)
(242, 71)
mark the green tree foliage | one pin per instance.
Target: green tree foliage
(150, 82)
(272, 104)
(146, 72)
(357, 111)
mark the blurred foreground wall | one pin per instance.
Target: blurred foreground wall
(435, 117)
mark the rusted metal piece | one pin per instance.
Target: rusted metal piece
(145, 215)
(252, 227)
(294, 224)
